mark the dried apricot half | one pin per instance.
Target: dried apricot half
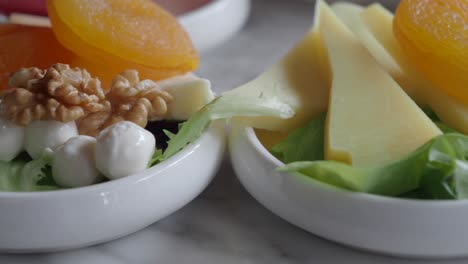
(26, 46)
(106, 72)
(123, 32)
(434, 36)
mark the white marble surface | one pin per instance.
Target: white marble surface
(225, 225)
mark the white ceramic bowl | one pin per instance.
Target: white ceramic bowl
(65, 219)
(387, 225)
(215, 22)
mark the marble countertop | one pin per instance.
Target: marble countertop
(225, 224)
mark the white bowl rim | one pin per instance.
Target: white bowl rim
(203, 9)
(104, 186)
(253, 139)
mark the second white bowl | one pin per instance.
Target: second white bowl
(387, 225)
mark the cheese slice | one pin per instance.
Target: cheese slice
(301, 79)
(379, 21)
(351, 15)
(189, 93)
(452, 112)
(371, 121)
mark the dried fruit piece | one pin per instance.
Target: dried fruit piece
(107, 72)
(433, 35)
(25, 46)
(128, 33)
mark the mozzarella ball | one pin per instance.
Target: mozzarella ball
(73, 163)
(11, 140)
(123, 149)
(40, 135)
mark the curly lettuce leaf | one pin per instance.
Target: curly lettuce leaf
(437, 170)
(24, 175)
(157, 157)
(224, 107)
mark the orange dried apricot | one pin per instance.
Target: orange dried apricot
(433, 34)
(26, 46)
(129, 33)
(11, 28)
(106, 72)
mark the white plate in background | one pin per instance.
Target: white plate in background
(215, 22)
(208, 22)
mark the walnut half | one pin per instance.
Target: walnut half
(131, 100)
(60, 93)
(64, 94)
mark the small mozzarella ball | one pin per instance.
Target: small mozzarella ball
(73, 163)
(123, 149)
(11, 140)
(40, 135)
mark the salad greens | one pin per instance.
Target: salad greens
(437, 170)
(24, 175)
(311, 135)
(222, 107)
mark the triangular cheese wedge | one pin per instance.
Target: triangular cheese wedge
(300, 79)
(350, 14)
(379, 21)
(371, 121)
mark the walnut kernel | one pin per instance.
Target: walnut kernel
(60, 93)
(132, 100)
(64, 94)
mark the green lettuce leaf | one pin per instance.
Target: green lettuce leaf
(304, 143)
(444, 128)
(224, 107)
(23, 175)
(437, 170)
(431, 114)
(157, 157)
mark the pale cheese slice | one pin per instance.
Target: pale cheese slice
(351, 15)
(379, 22)
(301, 80)
(371, 121)
(189, 94)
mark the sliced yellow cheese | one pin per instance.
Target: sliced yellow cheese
(350, 14)
(452, 112)
(371, 121)
(379, 22)
(300, 79)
